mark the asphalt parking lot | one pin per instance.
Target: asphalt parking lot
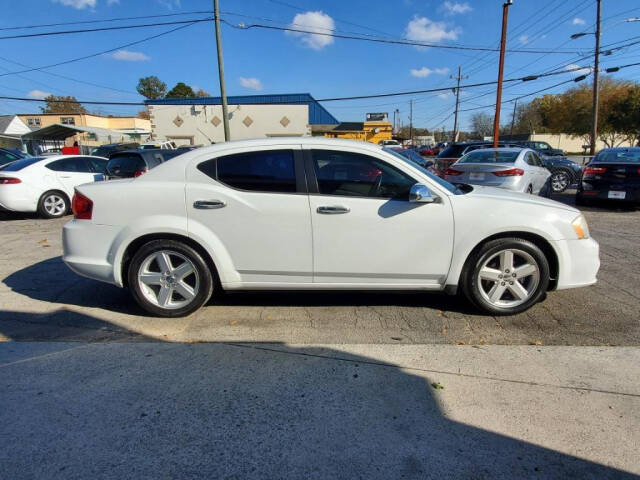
(40, 299)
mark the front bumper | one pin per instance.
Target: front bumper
(579, 262)
(87, 249)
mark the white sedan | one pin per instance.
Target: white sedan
(46, 184)
(311, 213)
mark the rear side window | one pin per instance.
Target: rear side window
(267, 171)
(125, 165)
(74, 164)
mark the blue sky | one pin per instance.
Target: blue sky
(272, 61)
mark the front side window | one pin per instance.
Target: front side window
(358, 175)
(74, 164)
(67, 120)
(265, 171)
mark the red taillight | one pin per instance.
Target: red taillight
(512, 172)
(139, 172)
(452, 171)
(594, 170)
(9, 181)
(82, 207)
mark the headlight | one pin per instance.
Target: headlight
(580, 227)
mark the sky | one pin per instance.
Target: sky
(271, 61)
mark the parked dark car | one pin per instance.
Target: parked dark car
(564, 172)
(543, 148)
(133, 163)
(8, 155)
(613, 174)
(107, 150)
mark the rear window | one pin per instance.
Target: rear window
(20, 164)
(125, 165)
(452, 151)
(618, 156)
(489, 156)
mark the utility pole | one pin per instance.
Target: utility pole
(411, 121)
(513, 118)
(457, 92)
(503, 44)
(223, 92)
(594, 126)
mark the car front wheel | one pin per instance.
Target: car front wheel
(560, 181)
(169, 278)
(506, 276)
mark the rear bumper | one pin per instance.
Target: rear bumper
(601, 192)
(579, 262)
(87, 249)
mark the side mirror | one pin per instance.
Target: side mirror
(420, 194)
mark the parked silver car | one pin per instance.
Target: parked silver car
(517, 169)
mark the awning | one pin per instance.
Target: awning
(57, 131)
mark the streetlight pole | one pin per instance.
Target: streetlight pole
(455, 121)
(594, 120)
(513, 118)
(503, 44)
(411, 121)
(223, 92)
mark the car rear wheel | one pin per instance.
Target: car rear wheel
(506, 276)
(169, 278)
(53, 204)
(560, 181)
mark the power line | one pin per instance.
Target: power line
(98, 53)
(102, 29)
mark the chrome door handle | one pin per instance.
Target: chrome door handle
(208, 204)
(333, 209)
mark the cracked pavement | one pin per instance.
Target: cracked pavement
(42, 300)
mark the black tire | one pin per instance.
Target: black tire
(53, 204)
(530, 189)
(471, 284)
(204, 278)
(561, 179)
(546, 189)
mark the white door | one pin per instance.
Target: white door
(254, 204)
(366, 232)
(71, 172)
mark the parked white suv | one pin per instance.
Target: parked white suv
(312, 213)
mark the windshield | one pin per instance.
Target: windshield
(20, 164)
(443, 183)
(489, 156)
(618, 156)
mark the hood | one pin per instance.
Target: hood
(507, 195)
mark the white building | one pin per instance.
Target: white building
(198, 121)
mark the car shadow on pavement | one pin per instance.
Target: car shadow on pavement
(216, 410)
(52, 281)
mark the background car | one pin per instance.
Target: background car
(543, 148)
(166, 145)
(108, 149)
(414, 156)
(453, 151)
(389, 143)
(613, 174)
(312, 213)
(564, 172)
(9, 155)
(133, 163)
(46, 184)
(517, 169)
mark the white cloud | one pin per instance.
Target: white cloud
(129, 56)
(453, 8)
(444, 95)
(251, 83)
(38, 94)
(578, 21)
(318, 22)
(575, 69)
(524, 39)
(77, 4)
(421, 29)
(425, 72)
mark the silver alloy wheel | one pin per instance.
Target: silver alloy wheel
(54, 205)
(168, 279)
(508, 278)
(559, 181)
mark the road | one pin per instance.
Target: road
(41, 299)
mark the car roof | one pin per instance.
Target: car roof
(623, 149)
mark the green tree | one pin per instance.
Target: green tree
(62, 104)
(202, 93)
(625, 114)
(151, 87)
(181, 90)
